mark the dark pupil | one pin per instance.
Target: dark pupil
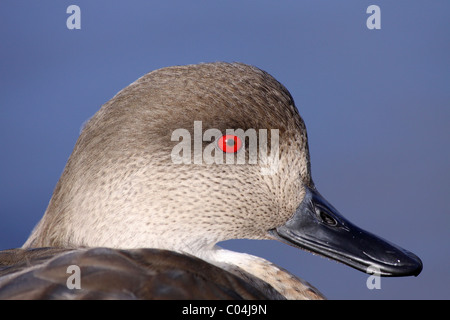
(230, 142)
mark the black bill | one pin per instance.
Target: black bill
(318, 227)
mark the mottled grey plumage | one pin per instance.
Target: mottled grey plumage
(121, 190)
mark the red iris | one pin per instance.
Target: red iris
(229, 143)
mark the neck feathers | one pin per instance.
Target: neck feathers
(275, 282)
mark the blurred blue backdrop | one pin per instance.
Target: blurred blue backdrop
(376, 104)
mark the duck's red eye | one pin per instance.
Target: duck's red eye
(229, 143)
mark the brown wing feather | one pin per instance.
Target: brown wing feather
(116, 274)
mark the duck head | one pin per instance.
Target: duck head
(148, 170)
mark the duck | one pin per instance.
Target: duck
(154, 184)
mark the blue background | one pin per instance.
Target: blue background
(376, 104)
